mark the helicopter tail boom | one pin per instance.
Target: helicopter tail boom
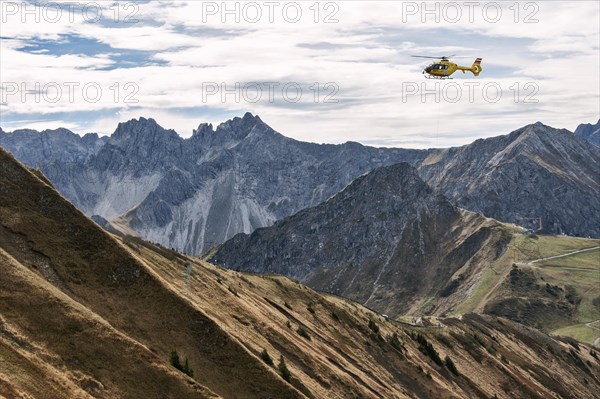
(476, 67)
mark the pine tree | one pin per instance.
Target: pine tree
(187, 369)
(373, 326)
(175, 362)
(265, 356)
(285, 373)
(450, 365)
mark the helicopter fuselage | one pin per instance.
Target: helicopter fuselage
(443, 69)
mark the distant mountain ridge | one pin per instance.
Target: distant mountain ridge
(534, 172)
(589, 132)
(192, 194)
(57, 144)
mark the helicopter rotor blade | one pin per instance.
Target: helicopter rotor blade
(442, 57)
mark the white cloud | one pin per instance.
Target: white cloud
(365, 54)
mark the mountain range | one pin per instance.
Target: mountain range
(193, 194)
(90, 314)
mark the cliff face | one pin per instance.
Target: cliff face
(387, 241)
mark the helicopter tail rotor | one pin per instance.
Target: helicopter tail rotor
(476, 67)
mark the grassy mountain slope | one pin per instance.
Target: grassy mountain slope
(548, 282)
(46, 234)
(87, 314)
(55, 347)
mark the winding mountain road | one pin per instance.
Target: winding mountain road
(561, 256)
(591, 326)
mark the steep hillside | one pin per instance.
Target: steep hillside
(52, 346)
(115, 296)
(535, 172)
(387, 241)
(86, 314)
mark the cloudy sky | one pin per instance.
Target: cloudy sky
(317, 71)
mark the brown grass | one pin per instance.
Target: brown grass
(85, 313)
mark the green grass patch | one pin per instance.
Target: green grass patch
(584, 260)
(523, 248)
(578, 331)
(489, 278)
(585, 284)
(558, 245)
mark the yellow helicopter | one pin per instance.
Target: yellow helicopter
(443, 68)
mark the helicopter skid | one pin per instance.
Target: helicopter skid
(437, 77)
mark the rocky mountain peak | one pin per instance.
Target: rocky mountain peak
(204, 129)
(537, 127)
(93, 137)
(240, 128)
(400, 180)
(531, 131)
(516, 177)
(535, 140)
(230, 132)
(381, 238)
(141, 128)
